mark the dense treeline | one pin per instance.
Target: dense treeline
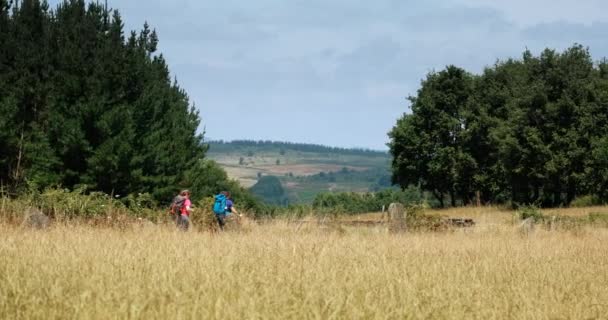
(223, 146)
(529, 130)
(83, 104)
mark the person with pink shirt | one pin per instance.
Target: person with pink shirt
(181, 208)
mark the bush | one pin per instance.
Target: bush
(65, 204)
(533, 212)
(586, 201)
(143, 205)
(203, 217)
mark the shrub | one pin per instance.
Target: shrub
(142, 205)
(586, 201)
(533, 212)
(203, 217)
(66, 204)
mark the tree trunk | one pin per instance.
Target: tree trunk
(465, 198)
(557, 198)
(453, 198)
(17, 172)
(536, 193)
(439, 197)
(571, 193)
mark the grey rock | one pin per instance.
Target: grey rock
(397, 218)
(35, 219)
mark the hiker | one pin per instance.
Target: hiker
(222, 207)
(181, 208)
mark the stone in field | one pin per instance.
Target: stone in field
(35, 219)
(396, 218)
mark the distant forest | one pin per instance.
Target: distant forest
(231, 146)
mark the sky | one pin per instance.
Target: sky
(338, 72)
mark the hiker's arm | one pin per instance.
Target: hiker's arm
(233, 210)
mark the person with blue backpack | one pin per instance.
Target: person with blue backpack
(222, 207)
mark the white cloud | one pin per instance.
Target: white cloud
(338, 66)
(531, 12)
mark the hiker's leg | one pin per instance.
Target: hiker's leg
(221, 220)
(185, 222)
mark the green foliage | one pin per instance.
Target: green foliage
(524, 131)
(83, 105)
(64, 204)
(586, 201)
(354, 203)
(531, 212)
(206, 178)
(142, 205)
(270, 190)
(204, 218)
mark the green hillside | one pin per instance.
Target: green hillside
(303, 169)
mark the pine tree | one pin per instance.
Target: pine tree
(82, 105)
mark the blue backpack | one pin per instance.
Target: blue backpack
(219, 206)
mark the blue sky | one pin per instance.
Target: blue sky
(337, 72)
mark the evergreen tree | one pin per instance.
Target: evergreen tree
(82, 105)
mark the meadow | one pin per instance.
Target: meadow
(284, 270)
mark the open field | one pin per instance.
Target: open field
(490, 216)
(279, 270)
(248, 175)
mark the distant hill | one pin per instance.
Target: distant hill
(303, 169)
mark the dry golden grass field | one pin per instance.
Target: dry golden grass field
(280, 270)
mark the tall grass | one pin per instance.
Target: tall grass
(280, 271)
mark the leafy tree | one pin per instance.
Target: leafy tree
(528, 131)
(427, 146)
